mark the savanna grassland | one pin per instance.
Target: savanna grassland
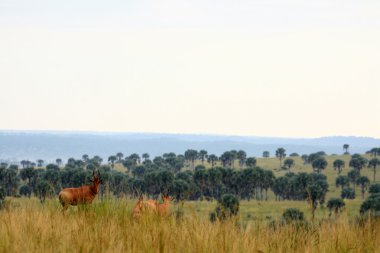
(107, 225)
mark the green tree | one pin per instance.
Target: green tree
(363, 182)
(317, 187)
(294, 154)
(336, 205)
(375, 188)
(280, 154)
(374, 163)
(43, 190)
(112, 160)
(342, 181)
(191, 155)
(85, 158)
(180, 189)
(358, 162)
(345, 148)
(348, 193)
(251, 162)
(374, 152)
(242, 157)
(266, 154)
(40, 162)
(28, 174)
(319, 164)
(26, 191)
(338, 165)
(372, 203)
(289, 163)
(212, 159)
(202, 155)
(228, 206)
(58, 161)
(145, 156)
(119, 156)
(353, 175)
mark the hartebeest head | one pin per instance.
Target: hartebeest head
(163, 209)
(96, 180)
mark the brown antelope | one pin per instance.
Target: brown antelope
(152, 206)
(81, 195)
(144, 206)
(163, 209)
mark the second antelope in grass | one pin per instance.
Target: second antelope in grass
(152, 206)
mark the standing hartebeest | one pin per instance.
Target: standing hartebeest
(152, 206)
(81, 195)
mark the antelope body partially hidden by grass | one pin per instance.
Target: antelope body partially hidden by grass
(152, 206)
(81, 195)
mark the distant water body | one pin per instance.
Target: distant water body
(49, 145)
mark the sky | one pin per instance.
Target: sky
(260, 67)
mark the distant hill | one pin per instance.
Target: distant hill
(32, 145)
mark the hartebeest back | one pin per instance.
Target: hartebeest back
(81, 195)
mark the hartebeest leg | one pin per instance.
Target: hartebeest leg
(64, 209)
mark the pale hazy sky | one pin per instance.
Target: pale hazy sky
(258, 67)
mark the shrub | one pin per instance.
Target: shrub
(228, 206)
(293, 214)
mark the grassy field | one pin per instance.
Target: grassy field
(26, 225)
(107, 226)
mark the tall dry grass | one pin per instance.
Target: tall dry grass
(107, 226)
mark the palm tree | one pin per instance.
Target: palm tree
(364, 183)
(58, 161)
(241, 156)
(374, 152)
(145, 156)
(202, 155)
(338, 165)
(319, 164)
(85, 158)
(251, 162)
(119, 156)
(353, 175)
(358, 162)
(212, 159)
(280, 154)
(112, 160)
(335, 204)
(342, 181)
(289, 163)
(345, 147)
(191, 155)
(40, 162)
(374, 163)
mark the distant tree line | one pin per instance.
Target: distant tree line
(184, 175)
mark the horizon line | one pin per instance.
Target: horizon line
(171, 133)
